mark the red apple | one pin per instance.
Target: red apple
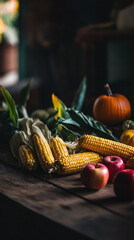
(114, 165)
(95, 176)
(124, 184)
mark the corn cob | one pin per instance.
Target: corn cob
(27, 158)
(43, 152)
(75, 162)
(105, 146)
(130, 163)
(59, 148)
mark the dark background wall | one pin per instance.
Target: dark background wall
(49, 51)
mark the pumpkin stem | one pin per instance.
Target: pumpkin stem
(108, 90)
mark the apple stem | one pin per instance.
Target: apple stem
(113, 159)
(97, 165)
(108, 90)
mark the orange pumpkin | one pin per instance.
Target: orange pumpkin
(111, 109)
(127, 137)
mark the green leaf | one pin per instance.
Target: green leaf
(11, 107)
(101, 130)
(78, 117)
(80, 95)
(60, 107)
(24, 94)
(65, 133)
(89, 125)
(70, 124)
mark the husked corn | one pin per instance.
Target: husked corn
(106, 146)
(75, 162)
(43, 152)
(59, 148)
(27, 158)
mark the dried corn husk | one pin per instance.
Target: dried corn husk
(42, 130)
(24, 136)
(16, 141)
(29, 127)
(72, 146)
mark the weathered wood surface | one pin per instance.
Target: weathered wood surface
(67, 203)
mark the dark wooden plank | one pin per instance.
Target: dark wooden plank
(105, 197)
(41, 198)
(18, 222)
(62, 207)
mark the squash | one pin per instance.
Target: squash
(111, 109)
(128, 124)
(127, 137)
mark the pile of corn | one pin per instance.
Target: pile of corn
(34, 145)
(55, 155)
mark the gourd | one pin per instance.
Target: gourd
(42, 114)
(128, 124)
(111, 109)
(127, 137)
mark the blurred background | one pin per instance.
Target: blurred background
(58, 42)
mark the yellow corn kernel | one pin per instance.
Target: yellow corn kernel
(59, 148)
(43, 152)
(27, 158)
(105, 146)
(75, 162)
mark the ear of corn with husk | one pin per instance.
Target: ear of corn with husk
(27, 157)
(32, 144)
(23, 151)
(105, 146)
(43, 152)
(35, 143)
(25, 138)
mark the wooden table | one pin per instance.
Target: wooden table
(52, 207)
